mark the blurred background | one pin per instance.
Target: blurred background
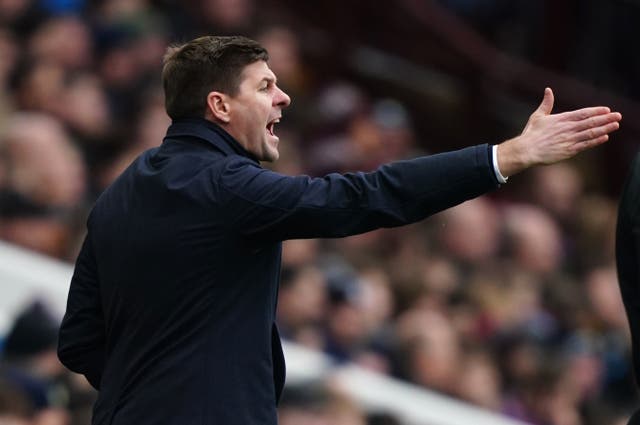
(508, 302)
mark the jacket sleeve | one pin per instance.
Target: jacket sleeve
(81, 341)
(270, 206)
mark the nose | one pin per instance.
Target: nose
(281, 99)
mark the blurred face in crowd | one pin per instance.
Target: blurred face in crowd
(284, 53)
(535, 237)
(64, 40)
(231, 15)
(251, 115)
(46, 167)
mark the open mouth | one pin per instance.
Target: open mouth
(271, 125)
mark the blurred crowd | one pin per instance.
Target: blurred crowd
(509, 301)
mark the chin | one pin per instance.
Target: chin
(270, 153)
(271, 156)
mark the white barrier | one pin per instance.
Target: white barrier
(25, 275)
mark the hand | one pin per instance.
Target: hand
(551, 138)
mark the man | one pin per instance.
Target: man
(628, 261)
(171, 308)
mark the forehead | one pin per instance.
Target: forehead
(256, 72)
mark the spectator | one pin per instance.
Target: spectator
(45, 182)
(534, 239)
(30, 365)
(302, 305)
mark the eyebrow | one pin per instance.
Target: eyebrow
(269, 80)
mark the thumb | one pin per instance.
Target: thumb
(547, 102)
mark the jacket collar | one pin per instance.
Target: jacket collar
(210, 132)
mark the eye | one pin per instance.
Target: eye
(266, 86)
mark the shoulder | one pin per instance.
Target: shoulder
(235, 168)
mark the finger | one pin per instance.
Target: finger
(597, 121)
(588, 144)
(596, 132)
(583, 114)
(547, 102)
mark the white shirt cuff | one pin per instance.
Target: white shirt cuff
(496, 169)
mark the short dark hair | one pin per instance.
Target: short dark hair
(209, 63)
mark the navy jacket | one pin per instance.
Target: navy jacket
(172, 303)
(628, 260)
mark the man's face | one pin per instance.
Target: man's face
(255, 110)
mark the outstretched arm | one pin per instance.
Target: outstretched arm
(267, 205)
(549, 138)
(272, 206)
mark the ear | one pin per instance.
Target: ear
(218, 106)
